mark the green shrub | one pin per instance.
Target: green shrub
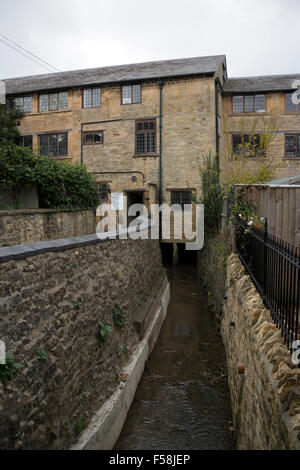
(118, 316)
(211, 193)
(9, 369)
(104, 331)
(61, 185)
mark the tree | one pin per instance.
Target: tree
(8, 128)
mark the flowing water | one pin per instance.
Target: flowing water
(182, 401)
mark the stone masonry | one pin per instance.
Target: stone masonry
(266, 397)
(50, 307)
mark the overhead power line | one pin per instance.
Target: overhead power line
(29, 55)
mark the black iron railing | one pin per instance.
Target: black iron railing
(274, 267)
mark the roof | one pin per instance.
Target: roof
(120, 73)
(291, 180)
(262, 83)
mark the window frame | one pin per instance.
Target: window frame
(48, 134)
(57, 93)
(296, 111)
(257, 155)
(294, 134)
(181, 192)
(85, 133)
(103, 183)
(22, 137)
(92, 98)
(22, 97)
(131, 93)
(137, 131)
(254, 103)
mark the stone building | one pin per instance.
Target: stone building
(143, 129)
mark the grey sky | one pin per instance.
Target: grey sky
(259, 37)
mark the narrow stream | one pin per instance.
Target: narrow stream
(182, 402)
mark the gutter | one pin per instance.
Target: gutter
(160, 198)
(218, 89)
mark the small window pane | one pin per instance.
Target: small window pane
(44, 106)
(98, 138)
(19, 104)
(87, 98)
(249, 104)
(126, 95)
(28, 104)
(103, 191)
(96, 97)
(238, 104)
(44, 144)
(27, 141)
(260, 103)
(53, 102)
(136, 93)
(63, 100)
(176, 198)
(140, 143)
(290, 145)
(62, 145)
(289, 105)
(53, 151)
(237, 142)
(298, 145)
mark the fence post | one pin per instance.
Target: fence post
(265, 254)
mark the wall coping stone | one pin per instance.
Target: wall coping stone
(27, 250)
(41, 211)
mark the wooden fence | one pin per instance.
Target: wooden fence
(281, 205)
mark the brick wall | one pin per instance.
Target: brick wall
(52, 303)
(23, 226)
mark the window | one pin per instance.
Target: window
(103, 189)
(145, 137)
(247, 145)
(25, 141)
(92, 98)
(181, 197)
(23, 103)
(289, 105)
(292, 145)
(249, 104)
(131, 94)
(54, 101)
(92, 138)
(54, 145)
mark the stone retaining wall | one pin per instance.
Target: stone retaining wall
(23, 226)
(266, 397)
(50, 307)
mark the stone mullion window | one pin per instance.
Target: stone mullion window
(53, 101)
(93, 137)
(181, 198)
(145, 139)
(54, 145)
(131, 94)
(26, 141)
(247, 145)
(243, 104)
(23, 103)
(92, 97)
(289, 105)
(292, 145)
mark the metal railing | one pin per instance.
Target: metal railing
(274, 267)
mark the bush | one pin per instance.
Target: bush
(211, 193)
(61, 185)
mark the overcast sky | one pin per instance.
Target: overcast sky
(259, 37)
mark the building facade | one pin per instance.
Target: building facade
(143, 129)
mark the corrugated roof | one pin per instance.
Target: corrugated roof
(262, 83)
(120, 73)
